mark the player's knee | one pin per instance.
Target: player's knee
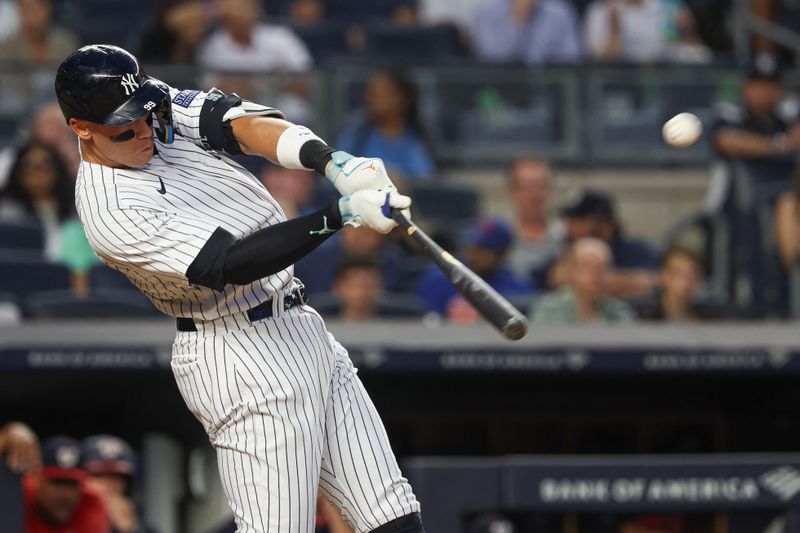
(410, 523)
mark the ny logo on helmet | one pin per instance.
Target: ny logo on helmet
(129, 84)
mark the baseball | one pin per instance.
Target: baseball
(682, 130)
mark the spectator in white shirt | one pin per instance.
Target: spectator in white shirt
(246, 44)
(625, 30)
(527, 31)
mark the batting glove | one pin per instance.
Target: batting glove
(351, 174)
(372, 208)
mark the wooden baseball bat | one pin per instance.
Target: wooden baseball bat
(493, 307)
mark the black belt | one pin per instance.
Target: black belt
(259, 312)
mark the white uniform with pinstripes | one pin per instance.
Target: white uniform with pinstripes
(279, 398)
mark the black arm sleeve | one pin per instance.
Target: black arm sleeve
(224, 260)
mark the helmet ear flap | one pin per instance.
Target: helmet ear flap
(165, 130)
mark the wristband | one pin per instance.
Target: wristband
(290, 144)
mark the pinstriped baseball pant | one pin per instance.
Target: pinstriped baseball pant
(287, 414)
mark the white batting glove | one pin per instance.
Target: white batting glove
(350, 174)
(372, 208)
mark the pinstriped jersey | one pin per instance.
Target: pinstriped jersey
(150, 223)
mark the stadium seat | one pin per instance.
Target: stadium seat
(448, 202)
(104, 277)
(22, 275)
(412, 45)
(100, 304)
(325, 40)
(117, 22)
(21, 235)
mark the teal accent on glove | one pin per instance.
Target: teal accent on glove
(347, 213)
(338, 160)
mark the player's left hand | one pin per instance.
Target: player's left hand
(372, 208)
(351, 174)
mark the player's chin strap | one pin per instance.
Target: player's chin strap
(410, 523)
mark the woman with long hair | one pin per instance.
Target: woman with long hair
(40, 190)
(390, 128)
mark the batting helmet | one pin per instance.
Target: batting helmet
(106, 454)
(107, 85)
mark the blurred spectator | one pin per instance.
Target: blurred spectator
(49, 127)
(787, 228)
(457, 12)
(292, 189)
(40, 190)
(683, 43)
(246, 44)
(37, 42)
(57, 498)
(485, 254)
(538, 238)
(111, 466)
(402, 12)
(584, 298)
(527, 31)
(764, 125)
(9, 18)
(19, 447)
(391, 128)
(317, 269)
(625, 30)
(593, 214)
(676, 300)
(177, 30)
(358, 286)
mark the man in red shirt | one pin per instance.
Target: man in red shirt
(56, 498)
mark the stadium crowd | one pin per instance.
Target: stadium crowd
(570, 263)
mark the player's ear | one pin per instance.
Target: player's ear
(81, 128)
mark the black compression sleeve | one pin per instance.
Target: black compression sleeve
(274, 248)
(316, 154)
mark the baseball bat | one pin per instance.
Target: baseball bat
(493, 307)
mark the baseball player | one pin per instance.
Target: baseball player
(161, 202)
(110, 464)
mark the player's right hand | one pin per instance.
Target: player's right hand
(371, 208)
(350, 174)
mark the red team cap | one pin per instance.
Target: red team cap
(61, 459)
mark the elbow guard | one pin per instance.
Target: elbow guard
(217, 133)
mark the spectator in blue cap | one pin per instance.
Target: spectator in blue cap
(57, 497)
(485, 254)
(111, 464)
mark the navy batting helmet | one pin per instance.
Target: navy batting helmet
(106, 454)
(107, 85)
